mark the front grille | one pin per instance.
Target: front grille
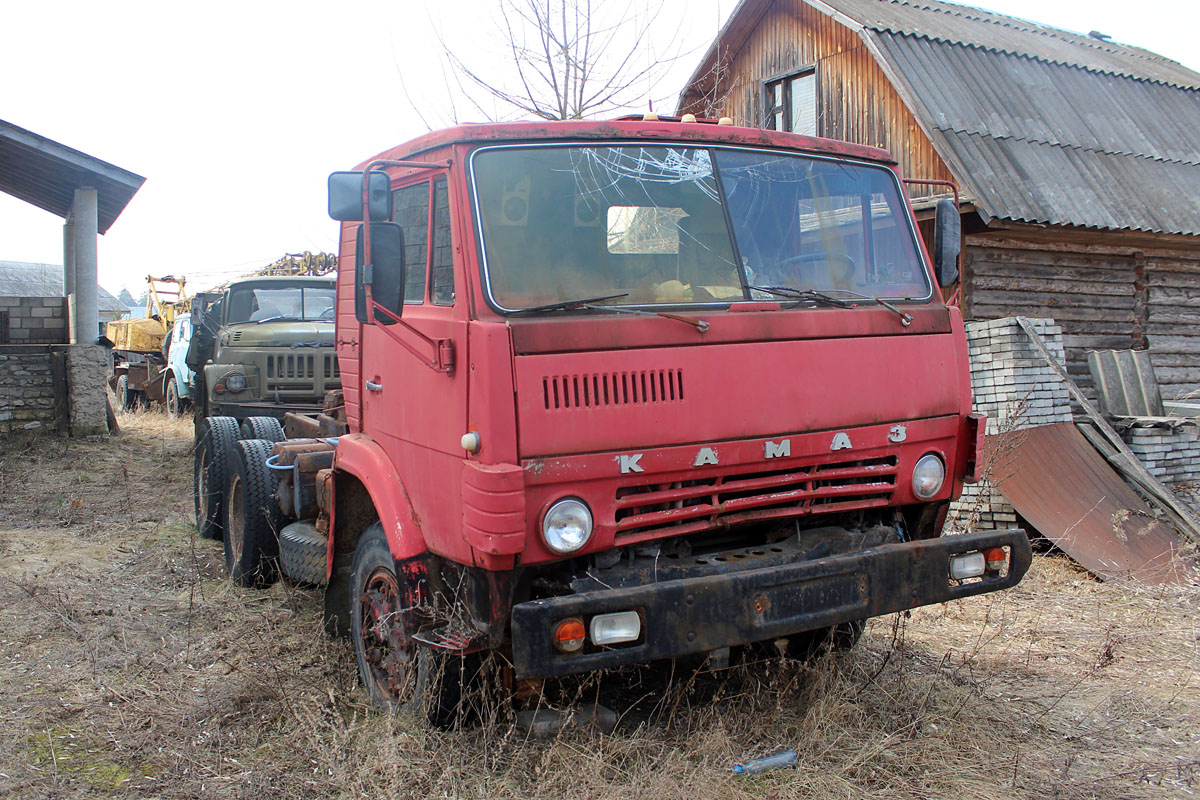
(639, 387)
(290, 367)
(648, 511)
(331, 367)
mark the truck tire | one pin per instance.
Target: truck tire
(262, 428)
(253, 518)
(811, 645)
(174, 401)
(126, 398)
(214, 444)
(412, 679)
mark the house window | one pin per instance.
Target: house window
(792, 103)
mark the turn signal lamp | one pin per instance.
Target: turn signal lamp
(569, 635)
(996, 558)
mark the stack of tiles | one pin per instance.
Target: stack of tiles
(1171, 452)
(1017, 389)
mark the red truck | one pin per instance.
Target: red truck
(616, 392)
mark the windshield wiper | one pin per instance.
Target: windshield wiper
(278, 317)
(905, 318)
(824, 299)
(810, 295)
(567, 305)
(592, 303)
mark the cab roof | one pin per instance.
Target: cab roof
(665, 129)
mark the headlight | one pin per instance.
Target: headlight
(567, 526)
(928, 475)
(235, 381)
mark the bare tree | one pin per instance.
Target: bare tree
(570, 59)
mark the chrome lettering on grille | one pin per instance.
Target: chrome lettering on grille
(630, 463)
(781, 450)
(841, 441)
(706, 456)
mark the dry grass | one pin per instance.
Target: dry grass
(133, 669)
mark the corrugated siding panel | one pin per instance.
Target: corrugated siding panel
(856, 101)
(1173, 329)
(1091, 295)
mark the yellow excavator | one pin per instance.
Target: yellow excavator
(138, 355)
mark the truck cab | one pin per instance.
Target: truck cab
(264, 346)
(624, 391)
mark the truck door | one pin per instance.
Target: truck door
(417, 414)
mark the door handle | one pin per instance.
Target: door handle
(373, 386)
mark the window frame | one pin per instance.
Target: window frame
(784, 81)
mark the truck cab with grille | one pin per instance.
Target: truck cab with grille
(625, 391)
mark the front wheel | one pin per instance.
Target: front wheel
(400, 675)
(174, 401)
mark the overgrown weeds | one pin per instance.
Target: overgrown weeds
(133, 668)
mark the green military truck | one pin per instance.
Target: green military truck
(264, 346)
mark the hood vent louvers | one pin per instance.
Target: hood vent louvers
(598, 390)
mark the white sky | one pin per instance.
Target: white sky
(235, 113)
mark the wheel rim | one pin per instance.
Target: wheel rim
(379, 611)
(202, 487)
(236, 528)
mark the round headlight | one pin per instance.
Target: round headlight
(235, 381)
(567, 526)
(928, 475)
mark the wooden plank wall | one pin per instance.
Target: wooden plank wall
(856, 103)
(1173, 325)
(1106, 297)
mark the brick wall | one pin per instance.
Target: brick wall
(1170, 450)
(33, 320)
(26, 388)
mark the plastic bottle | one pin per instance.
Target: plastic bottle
(784, 758)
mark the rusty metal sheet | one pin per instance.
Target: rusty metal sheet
(1067, 491)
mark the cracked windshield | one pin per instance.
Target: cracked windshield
(680, 225)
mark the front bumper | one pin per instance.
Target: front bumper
(698, 614)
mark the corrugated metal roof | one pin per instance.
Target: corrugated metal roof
(1037, 124)
(46, 174)
(27, 279)
(959, 24)
(1050, 143)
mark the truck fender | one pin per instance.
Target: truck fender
(361, 456)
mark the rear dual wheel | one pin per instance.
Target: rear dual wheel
(212, 466)
(253, 518)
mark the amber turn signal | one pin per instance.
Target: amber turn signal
(996, 558)
(569, 635)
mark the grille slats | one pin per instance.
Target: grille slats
(647, 511)
(598, 390)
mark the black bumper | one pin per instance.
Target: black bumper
(695, 615)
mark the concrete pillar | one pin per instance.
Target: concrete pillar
(68, 256)
(87, 302)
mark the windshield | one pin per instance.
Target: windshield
(684, 225)
(265, 303)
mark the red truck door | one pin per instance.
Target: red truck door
(415, 412)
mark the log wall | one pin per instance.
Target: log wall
(1105, 297)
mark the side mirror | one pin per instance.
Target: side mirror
(947, 242)
(346, 200)
(385, 273)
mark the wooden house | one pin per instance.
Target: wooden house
(1077, 158)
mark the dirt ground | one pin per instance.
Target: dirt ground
(131, 668)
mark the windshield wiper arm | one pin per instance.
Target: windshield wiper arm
(278, 317)
(567, 305)
(804, 294)
(698, 324)
(905, 318)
